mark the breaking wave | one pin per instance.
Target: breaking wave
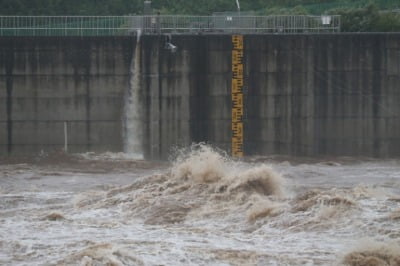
(202, 183)
(101, 254)
(370, 253)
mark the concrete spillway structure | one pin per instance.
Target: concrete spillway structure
(331, 94)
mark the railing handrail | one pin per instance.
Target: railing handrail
(195, 16)
(157, 24)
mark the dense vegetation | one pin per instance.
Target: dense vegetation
(357, 15)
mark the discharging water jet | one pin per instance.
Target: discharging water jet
(133, 124)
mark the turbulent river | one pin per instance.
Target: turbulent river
(201, 209)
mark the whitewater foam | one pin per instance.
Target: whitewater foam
(372, 253)
(197, 212)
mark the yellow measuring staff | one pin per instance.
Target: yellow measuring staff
(237, 96)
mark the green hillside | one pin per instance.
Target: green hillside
(320, 7)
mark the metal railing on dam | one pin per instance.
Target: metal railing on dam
(161, 24)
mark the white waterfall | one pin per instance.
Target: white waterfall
(133, 130)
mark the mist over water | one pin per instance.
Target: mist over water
(202, 209)
(133, 125)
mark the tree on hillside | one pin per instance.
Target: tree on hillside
(368, 19)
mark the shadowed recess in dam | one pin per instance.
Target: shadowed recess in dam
(133, 122)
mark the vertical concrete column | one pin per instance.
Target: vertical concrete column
(309, 103)
(152, 75)
(9, 97)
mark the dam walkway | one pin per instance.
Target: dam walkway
(165, 24)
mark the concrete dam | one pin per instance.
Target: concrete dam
(302, 94)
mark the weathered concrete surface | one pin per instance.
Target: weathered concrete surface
(304, 94)
(324, 94)
(47, 81)
(187, 92)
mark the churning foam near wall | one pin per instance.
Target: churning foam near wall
(202, 182)
(133, 131)
(203, 164)
(200, 163)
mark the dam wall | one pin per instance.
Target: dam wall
(46, 82)
(304, 95)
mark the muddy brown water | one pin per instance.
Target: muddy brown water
(202, 209)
